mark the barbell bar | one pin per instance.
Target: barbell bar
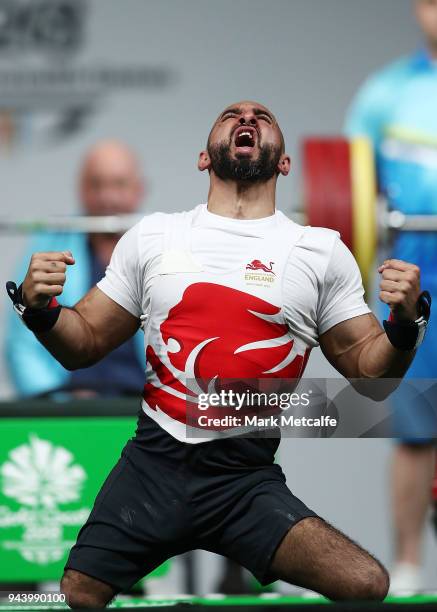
(116, 224)
(104, 224)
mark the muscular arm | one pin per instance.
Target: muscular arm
(85, 333)
(90, 330)
(359, 348)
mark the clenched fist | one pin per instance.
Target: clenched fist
(400, 288)
(45, 277)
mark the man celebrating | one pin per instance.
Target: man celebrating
(189, 279)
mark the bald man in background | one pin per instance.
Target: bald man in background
(110, 183)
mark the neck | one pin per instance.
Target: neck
(241, 200)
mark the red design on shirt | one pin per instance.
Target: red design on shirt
(217, 331)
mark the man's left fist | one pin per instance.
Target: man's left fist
(400, 288)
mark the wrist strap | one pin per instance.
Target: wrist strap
(36, 319)
(409, 335)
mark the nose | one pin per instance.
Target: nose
(248, 118)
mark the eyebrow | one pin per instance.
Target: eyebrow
(256, 111)
(236, 111)
(259, 111)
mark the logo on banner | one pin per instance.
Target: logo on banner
(46, 94)
(41, 477)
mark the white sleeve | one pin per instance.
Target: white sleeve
(122, 280)
(342, 293)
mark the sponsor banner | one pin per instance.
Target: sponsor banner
(50, 472)
(313, 408)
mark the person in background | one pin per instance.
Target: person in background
(396, 109)
(110, 183)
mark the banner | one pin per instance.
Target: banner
(50, 472)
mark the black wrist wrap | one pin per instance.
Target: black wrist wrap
(36, 319)
(408, 335)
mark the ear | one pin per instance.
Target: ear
(284, 164)
(204, 162)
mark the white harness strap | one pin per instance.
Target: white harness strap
(177, 255)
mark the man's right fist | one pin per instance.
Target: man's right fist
(45, 277)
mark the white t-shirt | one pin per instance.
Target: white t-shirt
(252, 296)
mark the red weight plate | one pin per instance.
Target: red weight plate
(328, 185)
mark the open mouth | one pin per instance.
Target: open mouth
(245, 138)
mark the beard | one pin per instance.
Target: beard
(244, 169)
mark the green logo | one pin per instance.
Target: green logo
(41, 477)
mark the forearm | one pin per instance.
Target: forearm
(71, 341)
(362, 351)
(378, 358)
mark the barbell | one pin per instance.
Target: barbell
(339, 192)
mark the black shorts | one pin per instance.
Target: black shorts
(166, 497)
